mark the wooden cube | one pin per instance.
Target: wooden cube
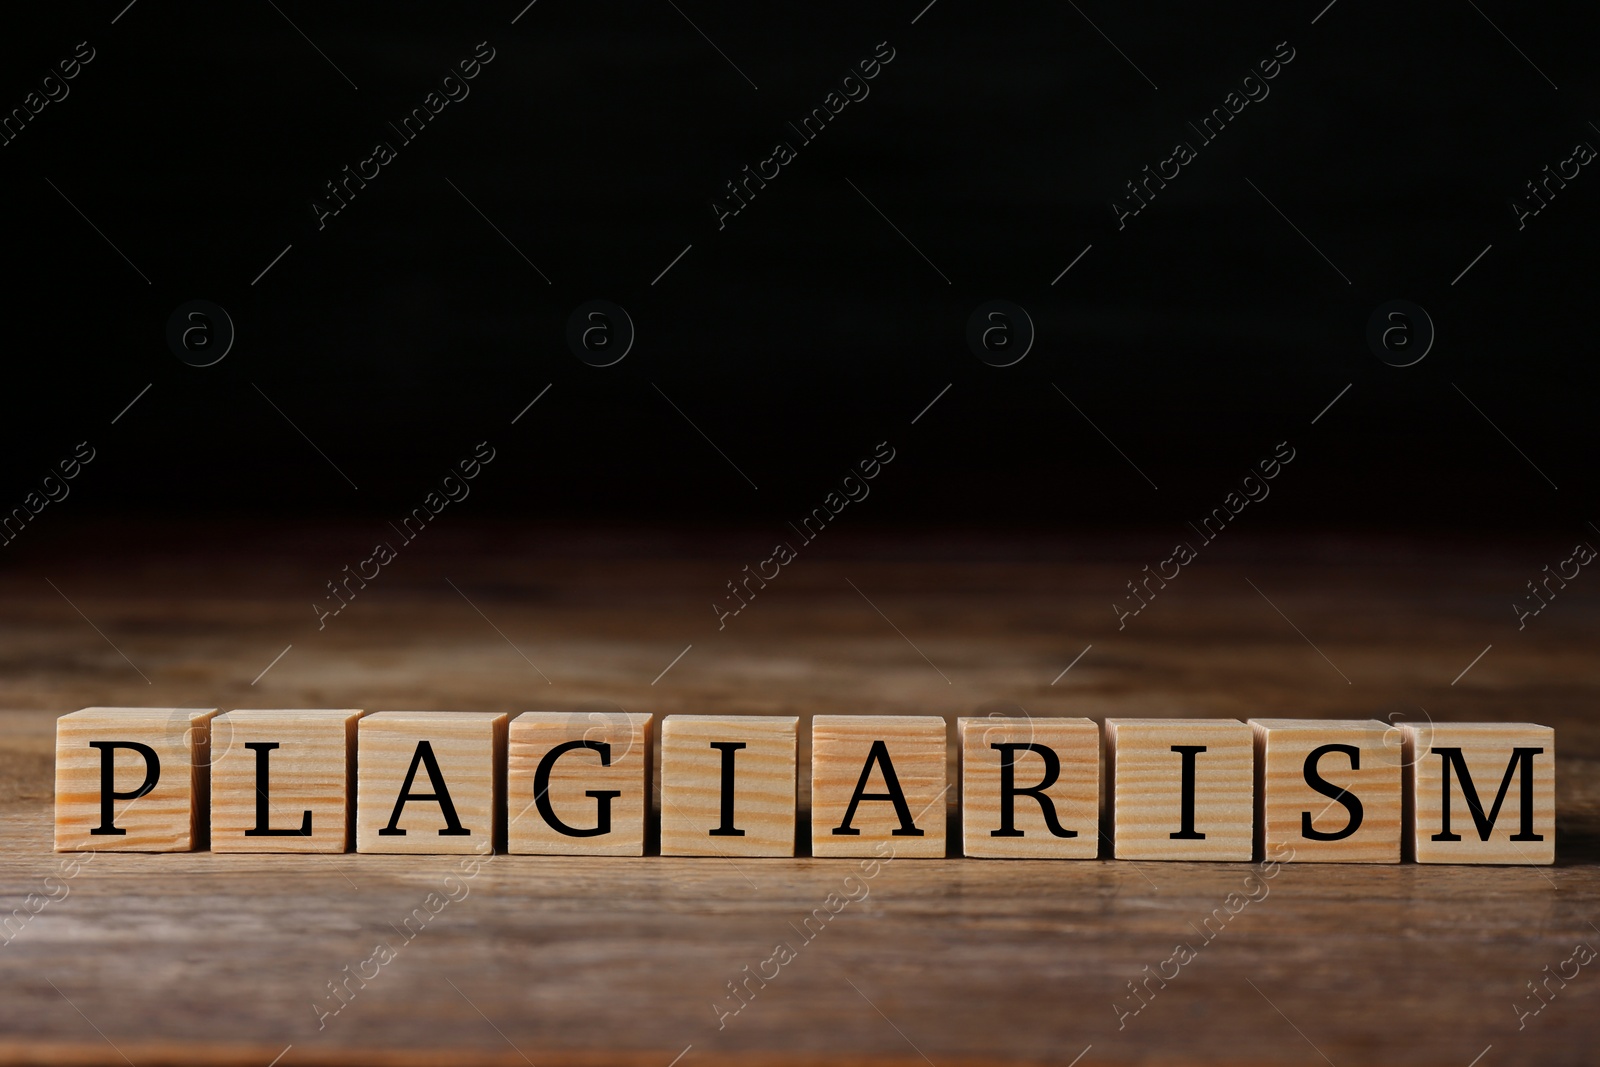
(430, 781)
(132, 779)
(1183, 789)
(283, 781)
(1328, 790)
(1030, 788)
(728, 785)
(878, 779)
(1481, 792)
(579, 783)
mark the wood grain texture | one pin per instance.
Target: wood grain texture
(1147, 788)
(311, 771)
(1487, 751)
(620, 768)
(1074, 746)
(467, 749)
(763, 798)
(843, 761)
(1283, 797)
(195, 958)
(169, 817)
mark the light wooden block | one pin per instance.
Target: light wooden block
(1303, 765)
(874, 758)
(1150, 817)
(728, 785)
(429, 782)
(164, 749)
(283, 781)
(579, 784)
(1062, 768)
(1512, 768)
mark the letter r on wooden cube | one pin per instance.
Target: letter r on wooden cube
(1183, 789)
(1481, 792)
(283, 781)
(578, 783)
(878, 779)
(1030, 788)
(728, 785)
(132, 779)
(429, 782)
(1329, 789)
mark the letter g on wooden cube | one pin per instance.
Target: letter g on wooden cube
(578, 784)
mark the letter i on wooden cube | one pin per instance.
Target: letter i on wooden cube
(132, 779)
(727, 785)
(430, 781)
(578, 784)
(1328, 790)
(1182, 789)
(1030, 788)
(1481, 792)
(875, 780)
(283, 781)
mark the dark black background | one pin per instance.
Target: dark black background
(808, 330)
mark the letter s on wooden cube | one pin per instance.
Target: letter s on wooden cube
(1329, 789)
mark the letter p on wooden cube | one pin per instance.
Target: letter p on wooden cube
(877, 779)
(1030, 788)
(132, 779)
(1183, 789)
(1329, 789)
(1482, 792)
(430, 781)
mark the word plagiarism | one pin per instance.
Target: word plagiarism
(568, 783)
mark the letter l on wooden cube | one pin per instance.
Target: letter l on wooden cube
(283, 781)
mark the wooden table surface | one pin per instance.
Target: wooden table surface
(221, 959)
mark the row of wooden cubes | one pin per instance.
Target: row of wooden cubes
(553, 783)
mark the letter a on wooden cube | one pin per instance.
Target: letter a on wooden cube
(1329, 789)
(283, 781)
(1481, 792)
(878, 779)
(430, 781)
(578, 783)
(1182, 789)
(132, 779)
(727, 785)
(1030, 788)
